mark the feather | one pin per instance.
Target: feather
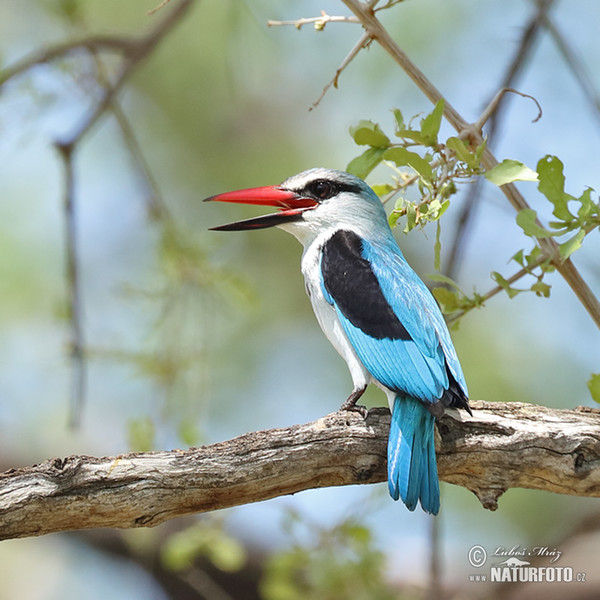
(412, 468)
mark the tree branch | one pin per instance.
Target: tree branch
(135, 51)
(566, 268)
(504, 445)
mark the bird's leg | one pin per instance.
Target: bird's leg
(350, 403)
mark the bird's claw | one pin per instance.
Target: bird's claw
(350, 403)
(359, 408)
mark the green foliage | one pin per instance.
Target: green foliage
(434, 169)
(362, 165)
(204, 539)
(594, 386)
(452, 299)
(367, 133)
(576, 217)
(509, 171)
(342, 562)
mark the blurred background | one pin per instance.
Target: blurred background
(188, 333)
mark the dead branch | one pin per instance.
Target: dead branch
(504, 445)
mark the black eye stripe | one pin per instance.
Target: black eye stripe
(323, 189)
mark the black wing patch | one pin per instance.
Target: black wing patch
(350, 281)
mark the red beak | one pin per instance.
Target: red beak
(291, 206)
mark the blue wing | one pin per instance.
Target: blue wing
(390, 317)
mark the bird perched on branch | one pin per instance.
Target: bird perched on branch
(374, 309)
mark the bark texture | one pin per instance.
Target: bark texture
(503, 445)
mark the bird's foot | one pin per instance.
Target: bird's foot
(350, 403)
(359, 408)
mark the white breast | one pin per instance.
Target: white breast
(326, 314)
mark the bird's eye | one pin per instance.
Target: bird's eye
(322, 189)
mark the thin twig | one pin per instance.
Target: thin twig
(134, 51)
(566, 268)
(76, 342)
(157, 8)
(577, 68)
(362, 42)
(97, 43)
(470, 207)
(141, 51)
(155, 203)
(491, 108)
(318, 22)
(512, 279)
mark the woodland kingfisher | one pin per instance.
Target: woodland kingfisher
(374, 309)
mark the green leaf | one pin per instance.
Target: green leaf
(444, 279)
(508, 171)
(381, 189)
(552, 185)
(512, 292)
(594, 386)
(405, 158)
(188, 432)
(362, 165)
(447, 299)
(399, 121)
(588, 206)
(227, 554)
(541, 289)
(462, 152)
(415, 136)
(571, 245)
(430, 125)
(480, 150)
(182, 548)
(518, 257)
(367, 133)
(411, 217)
(394, 218)
(526, 220)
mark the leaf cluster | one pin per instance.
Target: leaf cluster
(420, 158)
(575, 217)
(341, 562)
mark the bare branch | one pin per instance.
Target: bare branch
(134, 51)
(76, 342)
(362, 42)
(575, 64)
(504, 445)
(491, 108)
(96, 43)
(318, 22)
(141, 51)
(549, 246)
(470, 206)
(528, 270)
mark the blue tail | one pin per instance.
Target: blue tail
(412, 468)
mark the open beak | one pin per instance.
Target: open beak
(290, 204)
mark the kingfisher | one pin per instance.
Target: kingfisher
(374, 309)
